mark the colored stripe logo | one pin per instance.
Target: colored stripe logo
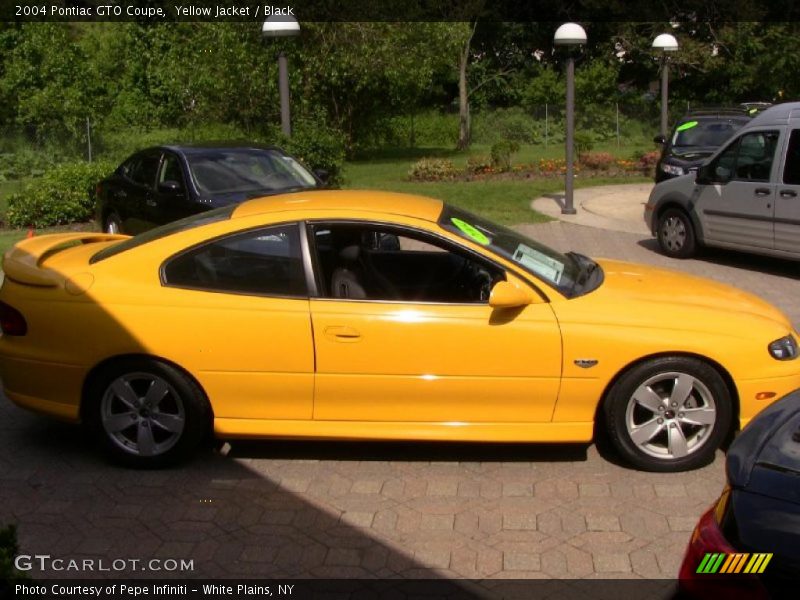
(719, 562)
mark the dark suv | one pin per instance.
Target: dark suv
(695, 137)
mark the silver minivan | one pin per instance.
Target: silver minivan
(746, 196)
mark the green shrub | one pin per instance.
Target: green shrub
(318, 147)
(60, 196)
(480, 163)
(432, 169)
(8, 551)
(513, 124)
(24, 162)
(502, 152)
(584, 142)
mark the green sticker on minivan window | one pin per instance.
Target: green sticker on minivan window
(687, 125)
(471, 232)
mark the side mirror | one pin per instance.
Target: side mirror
(507, 295)
(703, 176)
(659, 139)
(170, 187)
(322, 175)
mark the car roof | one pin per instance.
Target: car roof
(779, 114)
(372, 201)
(200, 147)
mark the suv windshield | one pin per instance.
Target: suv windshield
(571, 274)
(243, 170)
(704, 133)
(203, 218)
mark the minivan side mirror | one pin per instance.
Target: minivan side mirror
(659, 139)
(703, 175)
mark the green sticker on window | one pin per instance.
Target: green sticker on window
(471, 232)
(687, 125)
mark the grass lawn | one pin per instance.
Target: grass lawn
(504, 201)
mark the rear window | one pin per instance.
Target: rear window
(204, 218)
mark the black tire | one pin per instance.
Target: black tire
(166, 426)
(646, 428)
(112, 223)
(676, 235)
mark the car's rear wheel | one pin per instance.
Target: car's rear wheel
(146, 413)
(675, 233)
(112, 224)
(668, 414)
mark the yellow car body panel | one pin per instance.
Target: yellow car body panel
(313, 367)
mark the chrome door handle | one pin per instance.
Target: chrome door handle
(788, 194)
(762, 192)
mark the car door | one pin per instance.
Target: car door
(139, 192)
(787, 199)
(737, 207)
(171, 198)
(403, 332)
(240, 320)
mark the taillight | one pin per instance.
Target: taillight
(11, 320)
(707, 544)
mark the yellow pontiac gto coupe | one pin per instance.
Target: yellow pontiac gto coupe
(369, 315)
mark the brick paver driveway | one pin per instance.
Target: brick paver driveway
(295, 509)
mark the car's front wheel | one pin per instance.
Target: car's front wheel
(146, 413)
(668, 414)
(675, 232)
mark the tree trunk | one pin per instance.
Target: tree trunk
(464, 123)
(464, 129)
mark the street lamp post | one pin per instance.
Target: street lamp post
(665, 43)
(282, 26)
(571, 36)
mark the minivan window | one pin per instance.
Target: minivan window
(748, 159)
(791, 170)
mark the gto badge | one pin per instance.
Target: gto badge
(585, 363)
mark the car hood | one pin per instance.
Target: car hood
(765, 458)
(655, 287)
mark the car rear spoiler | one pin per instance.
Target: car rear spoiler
(22, 263)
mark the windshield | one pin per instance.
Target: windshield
(704, 133)
(203, 218)
(246, 170)
(562, 271)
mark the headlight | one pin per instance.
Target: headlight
(784, 348)
(672, 169)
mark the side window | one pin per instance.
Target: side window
(144, 171)
(747, 159)
(791, 170)
(171, 170)
(725, 164)
(262, 262)
(375, 262)
(756, 153)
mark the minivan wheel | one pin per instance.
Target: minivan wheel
(668, 414)
(146, 413)
(675, 232)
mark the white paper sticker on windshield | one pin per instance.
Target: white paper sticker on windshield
(539, 263)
